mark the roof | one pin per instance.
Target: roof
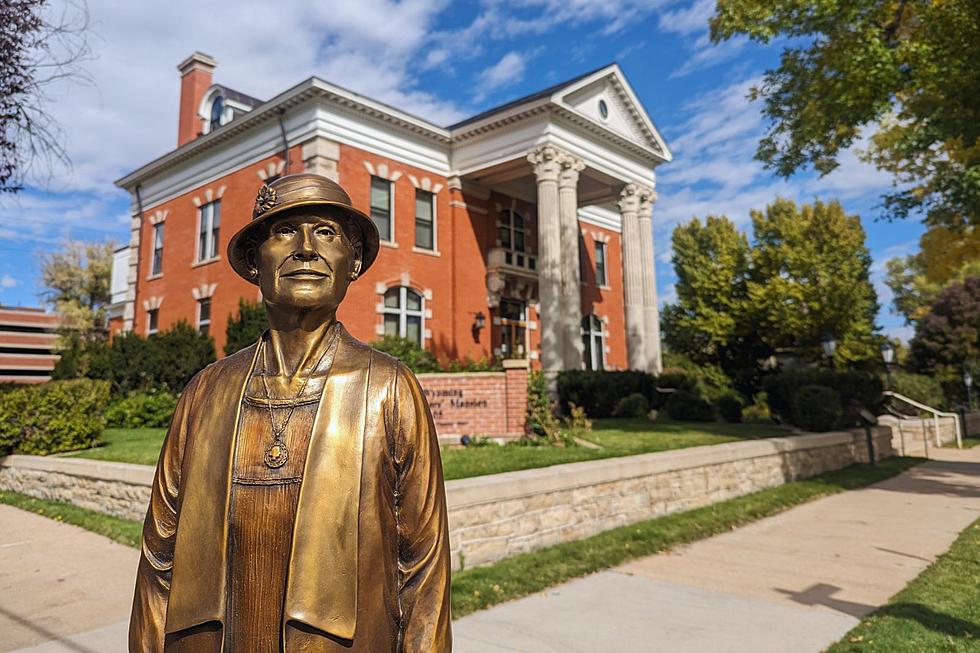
(237, 96)
(547, 92)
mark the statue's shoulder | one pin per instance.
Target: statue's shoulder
(240, 361)
(379, 360)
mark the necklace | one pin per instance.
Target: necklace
(276, 454)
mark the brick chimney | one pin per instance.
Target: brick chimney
(196, 72)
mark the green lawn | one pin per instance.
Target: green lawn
(481, 587)
(616, 437)
(938, 611)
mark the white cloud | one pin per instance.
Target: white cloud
(707, 55)
(509, 70)
(7, 281)
(690, 19)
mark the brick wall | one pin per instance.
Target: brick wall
(481, 403)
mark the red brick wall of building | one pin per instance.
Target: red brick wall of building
(607, 301)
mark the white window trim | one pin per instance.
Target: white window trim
(200, 322)
(435, 226)
(391, 209)
(605, 262)
(210, 234)
(603, 336)
(403, 312)
(153, 249)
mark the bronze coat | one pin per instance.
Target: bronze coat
(369, 569)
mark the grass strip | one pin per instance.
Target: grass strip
(481, 587)
(938, 611)
(124, 531)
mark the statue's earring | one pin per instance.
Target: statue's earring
(253, 273)
(353, 276)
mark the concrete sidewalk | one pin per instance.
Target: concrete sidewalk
(793, 582)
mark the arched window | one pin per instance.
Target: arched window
(217, 108)
(404, 314)
(594, 341)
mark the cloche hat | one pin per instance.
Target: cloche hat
(292, 191)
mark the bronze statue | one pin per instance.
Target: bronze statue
(298, 503)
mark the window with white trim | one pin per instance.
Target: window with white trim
(404, 314)
(512, 230)
(594, 342)
(157, 264)
(601, 279)
(381, 207)
(152, 321)
(204, 315)
(217, 110)
(425, 224)
(209, 226)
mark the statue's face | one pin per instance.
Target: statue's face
(306, 262)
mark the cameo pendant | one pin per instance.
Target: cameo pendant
(276, 455)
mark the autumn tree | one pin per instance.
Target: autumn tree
(77, 280)
(41, 43)
(902, 72)
(945, 256)
(811, 277)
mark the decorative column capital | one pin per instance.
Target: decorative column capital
(571, 166)
(629, 199)
(547, 162)
(647, 196)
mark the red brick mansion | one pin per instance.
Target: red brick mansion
(524, 231)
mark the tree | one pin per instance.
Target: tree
(906, 69)
(949, 334)
(944, 256)
(811, 278)
(245, 328)
(78, 282)
(39, 46)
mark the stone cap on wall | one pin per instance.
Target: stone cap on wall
(97, 469)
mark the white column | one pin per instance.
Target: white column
(546, 169)
(629, 205)
(571, 290)
(651, 313)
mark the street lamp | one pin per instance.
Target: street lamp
(829, 347)
(888, 355)
(968, 382)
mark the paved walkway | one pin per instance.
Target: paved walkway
(793, 582)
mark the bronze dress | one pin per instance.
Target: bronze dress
(262, 514)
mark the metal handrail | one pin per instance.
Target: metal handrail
(936, 414)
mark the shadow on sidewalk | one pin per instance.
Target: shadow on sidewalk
(936, 477)
(45, 633)
(822, 594)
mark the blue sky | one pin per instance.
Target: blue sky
(437, 59)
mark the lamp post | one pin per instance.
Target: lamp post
(968, 382)
(888, 355)
(829, 347)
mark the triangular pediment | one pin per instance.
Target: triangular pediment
(606, 99)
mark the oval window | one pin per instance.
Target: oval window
(603, 109)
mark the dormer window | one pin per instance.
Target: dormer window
(217, 109)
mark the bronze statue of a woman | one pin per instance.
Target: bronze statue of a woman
(298, 503)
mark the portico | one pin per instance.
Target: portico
(581, 154)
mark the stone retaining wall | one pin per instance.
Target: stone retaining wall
(494, 517)
(908, 434)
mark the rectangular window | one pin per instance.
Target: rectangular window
(204, 315)
(381, 207)
(152, 320)
(600, 264)
(157, 266)
(424, 222)
(210, 225)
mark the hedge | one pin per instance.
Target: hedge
(817, 408)
(854, 388)
(141, 410)
(598, 392)
(53, 417)
(688, 407)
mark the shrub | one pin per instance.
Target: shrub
(599, 391)
(246, 327)
(468, 364)
(407, 351)
(141, 409)
(540, 421)
(757, 413)
(817, 408)
(688, 407)
(853, 387)
(577, 423)
(924, 389)
(53, 417)
(634, 405)
(730, 408)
